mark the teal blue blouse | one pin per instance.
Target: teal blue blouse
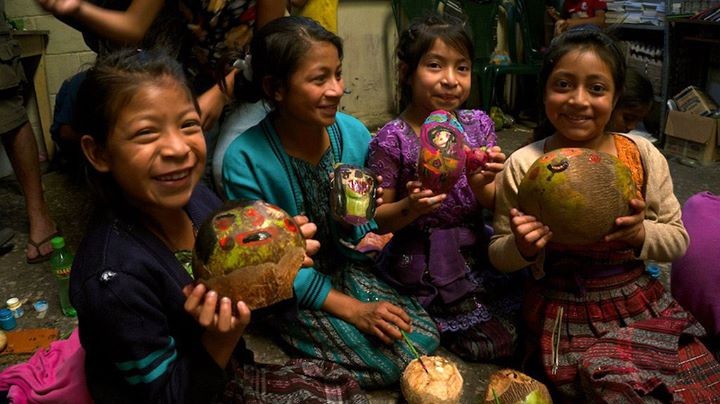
(256, 166)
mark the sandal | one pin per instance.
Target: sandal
(37, 244)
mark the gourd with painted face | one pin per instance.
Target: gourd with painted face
(249, 251)
(578, 193)
(441, 159)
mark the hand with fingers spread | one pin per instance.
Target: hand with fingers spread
(630, 229)
(308, 229)
(223, 329)
(381, 319)
(422, 200)
(531, 235)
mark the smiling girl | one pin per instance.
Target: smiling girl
(149, 335)
(438, 252)
(599, 326)
(345, 313)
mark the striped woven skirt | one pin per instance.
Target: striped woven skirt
(617, 338)
(318, 334)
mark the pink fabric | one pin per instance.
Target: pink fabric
(52, 375)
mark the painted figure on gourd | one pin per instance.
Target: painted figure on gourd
(442, 157)
(353, 194)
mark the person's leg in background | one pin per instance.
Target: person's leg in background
(21, 148)
(23, 153)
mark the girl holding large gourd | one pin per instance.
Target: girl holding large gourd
(592, 312)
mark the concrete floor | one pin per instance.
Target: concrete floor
(70, 204)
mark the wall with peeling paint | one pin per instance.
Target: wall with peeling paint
(368, 30)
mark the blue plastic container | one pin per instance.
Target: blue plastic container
(7, 320)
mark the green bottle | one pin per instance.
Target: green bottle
(61, 263)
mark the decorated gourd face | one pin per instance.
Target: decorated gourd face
(249, 251)
(353, 194)
(442, 158)
(578, 193)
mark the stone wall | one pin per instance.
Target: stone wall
(66, 52)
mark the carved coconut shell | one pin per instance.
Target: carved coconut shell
(441, 159)
(353, 194)
(441, 384)
(508, 386)
(249, 251)
(578, 193)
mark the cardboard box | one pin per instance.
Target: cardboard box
(695, 101)
(692, 136)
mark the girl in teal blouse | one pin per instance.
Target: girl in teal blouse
(344, 312)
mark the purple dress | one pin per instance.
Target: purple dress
(441, 258)
(696, 275)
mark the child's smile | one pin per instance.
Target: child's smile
(579, 96)
(156, 149)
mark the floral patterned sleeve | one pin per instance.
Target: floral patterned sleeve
(479, 127)
(385, 156)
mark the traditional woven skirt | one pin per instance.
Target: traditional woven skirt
(318, 334)
(617, 338)
(298, 381)
(483, 325)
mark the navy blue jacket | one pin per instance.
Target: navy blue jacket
(141, 345)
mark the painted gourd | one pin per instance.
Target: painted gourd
(578, 193)
(249, 251)
(353, 194)
(508, 386)
(441, 384)
(441, 159)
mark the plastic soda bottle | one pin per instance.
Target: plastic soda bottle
(61, 263)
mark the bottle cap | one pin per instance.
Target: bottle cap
(5, 314)
(13, 303)
(40, 305)
(58, 242)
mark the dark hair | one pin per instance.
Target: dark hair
(419, 38)
(108, 87)
(581, 40)
(638, 90)
(276, 51)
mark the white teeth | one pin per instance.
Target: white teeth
(173, 177)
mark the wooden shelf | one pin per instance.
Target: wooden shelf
(642, 27)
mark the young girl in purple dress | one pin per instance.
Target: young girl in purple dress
(439, 248)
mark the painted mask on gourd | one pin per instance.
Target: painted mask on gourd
(249, 251)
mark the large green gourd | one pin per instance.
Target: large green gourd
(578, 193)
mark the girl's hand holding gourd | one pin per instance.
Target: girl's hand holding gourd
(203, 306)
(531, 235)
(630, 229)
(308, 229)
(486, 175)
